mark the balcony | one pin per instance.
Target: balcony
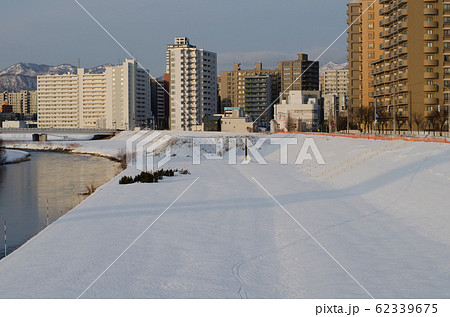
(430, 11)
(431, 75)
(402, 25)
(430, 50)
(403, 63)
(431, 101)
(432, 62)
(427, 114)
(431, 37)
(430, 24)
(430, 88)
(402, 13)
(403, 50)
(403, 38)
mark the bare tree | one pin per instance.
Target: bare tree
(383, 119)
(441, 116)
(431, 121)
(400, 121)
(367, 116)
(290, 124)
(418, 119)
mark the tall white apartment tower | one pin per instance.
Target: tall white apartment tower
(128, 96)
(193, 84)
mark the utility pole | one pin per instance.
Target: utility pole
(395, 119)
(375, 116)
(348, 119)
(448, 119)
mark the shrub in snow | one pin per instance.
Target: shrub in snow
(184, 172)
(146, 177)
(126, 180)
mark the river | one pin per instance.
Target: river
(26, 187)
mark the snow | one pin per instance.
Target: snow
(380, 208)
(332, 66)
(14, 156)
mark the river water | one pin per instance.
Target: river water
(26, 187)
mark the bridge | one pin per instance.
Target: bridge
(35, 133)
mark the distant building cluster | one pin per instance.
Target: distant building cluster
(190, 96)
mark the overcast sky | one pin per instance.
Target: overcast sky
(58, 31)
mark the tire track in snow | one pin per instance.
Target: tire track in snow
(236, 268)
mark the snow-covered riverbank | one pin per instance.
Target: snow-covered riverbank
(15, 156)
(380, 208)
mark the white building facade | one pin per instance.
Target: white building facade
(302, 109)
(192, 84)
(119, 99)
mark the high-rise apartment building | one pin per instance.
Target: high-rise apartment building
(193, 84)
(363, 48)
(24, 101)
(258, 97)
(412, 75)
(128, 96)
(290, 71)
(336, 82)
(232, 84)
(119, 98)
(160, 99)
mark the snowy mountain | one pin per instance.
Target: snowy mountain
(23, 76)
(332, 66)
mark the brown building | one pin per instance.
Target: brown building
(290, 71)
(363, 48)
(6, 108)
(232, 84)
(160, 102)
(412, 76)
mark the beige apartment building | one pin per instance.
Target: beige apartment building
(335, 82)
(413, 73)
(363, 46)
(232, 84)
(119, 98)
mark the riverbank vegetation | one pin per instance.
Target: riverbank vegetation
(146, 177)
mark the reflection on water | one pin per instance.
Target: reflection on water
(25, 188)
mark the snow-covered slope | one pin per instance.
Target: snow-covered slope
(379, 209)
(23, 76)
(332, 66)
